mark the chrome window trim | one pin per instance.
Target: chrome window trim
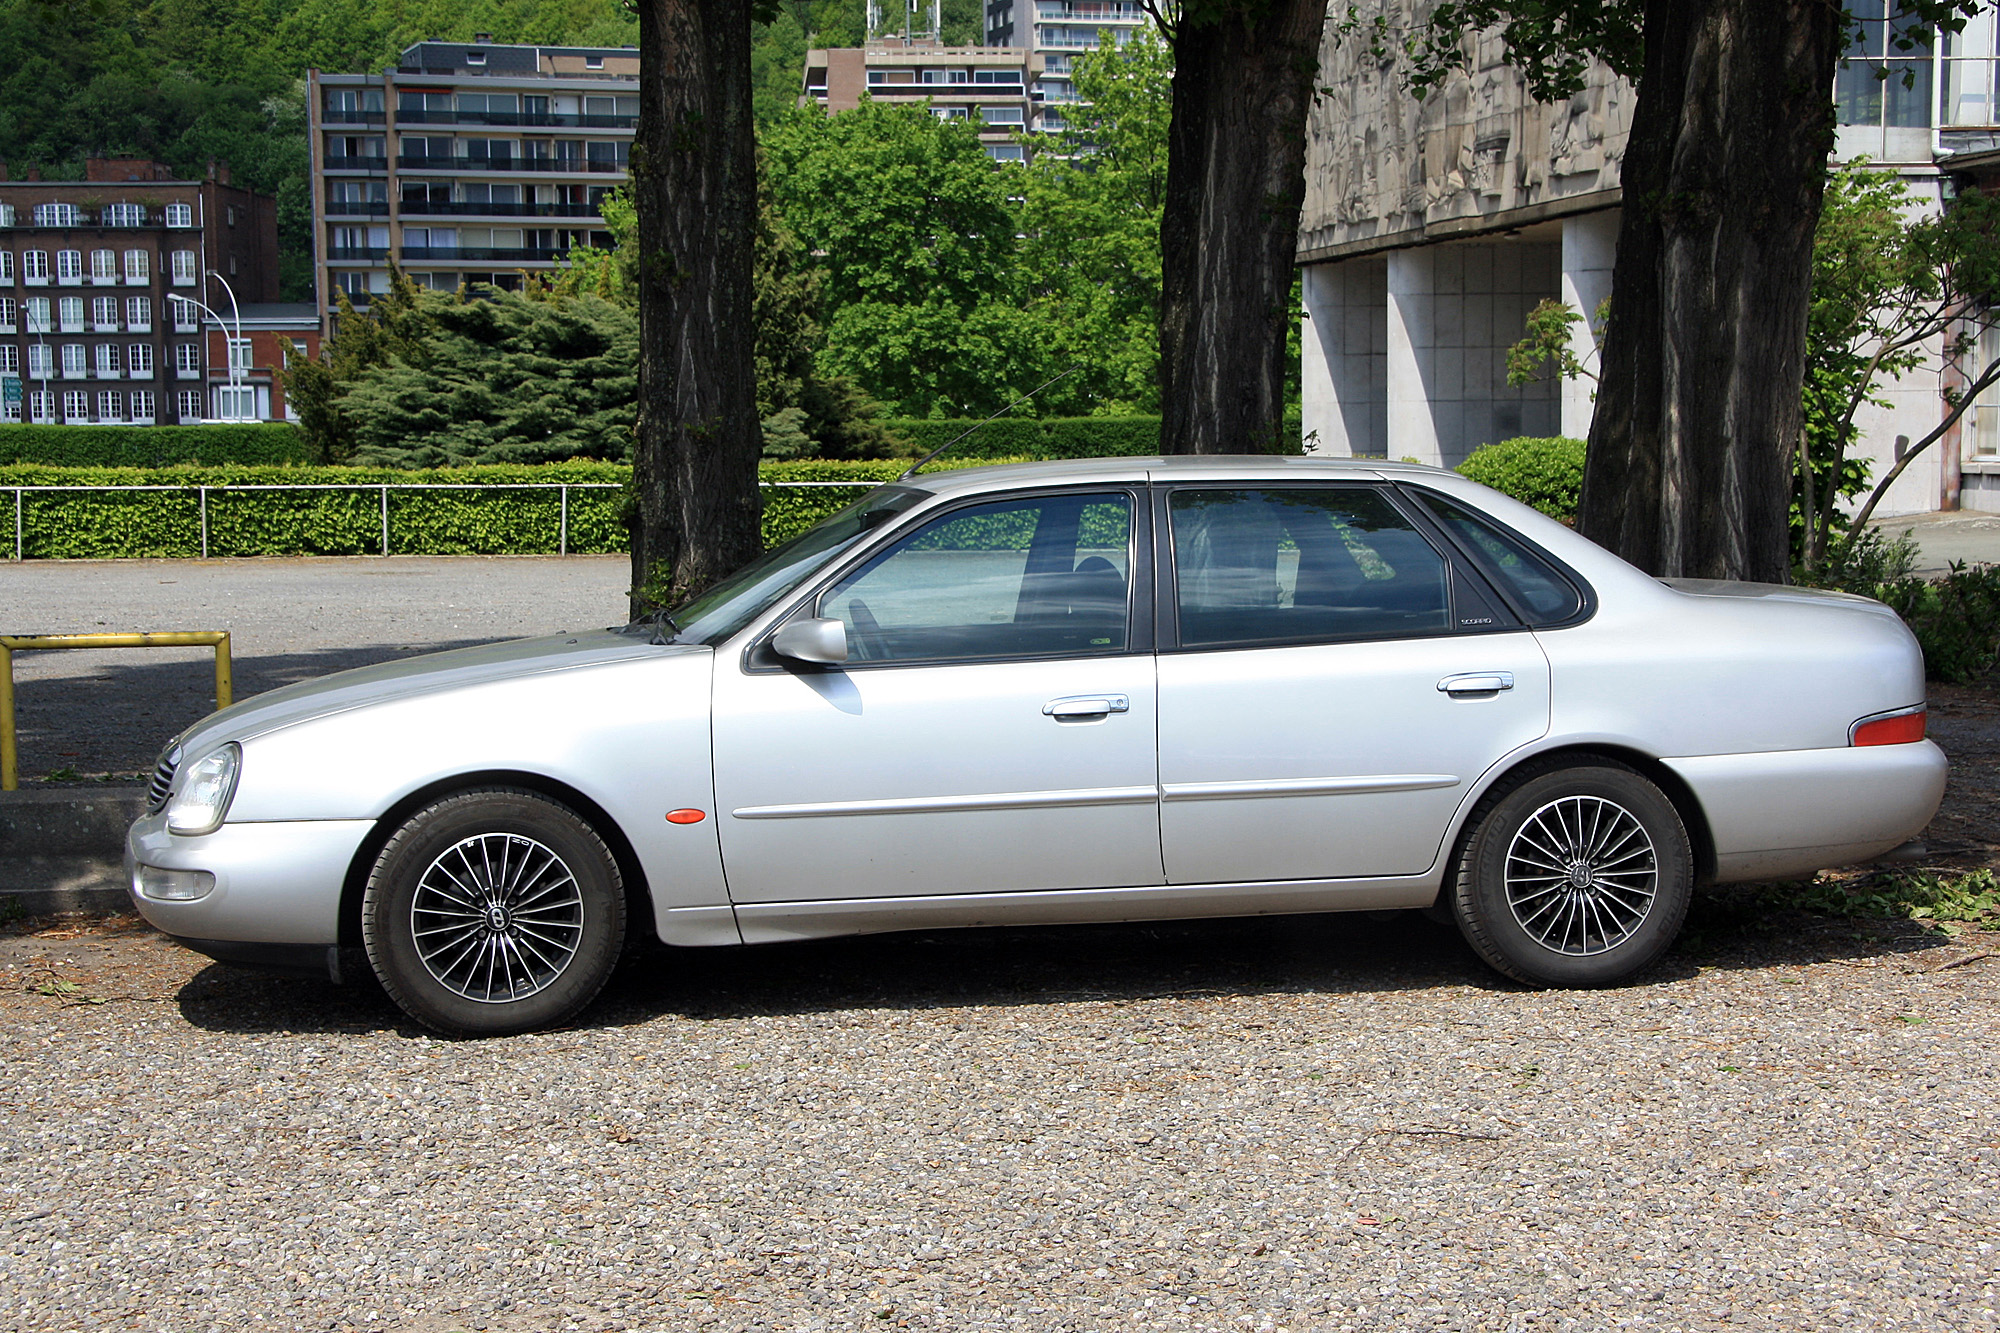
(1418, 497)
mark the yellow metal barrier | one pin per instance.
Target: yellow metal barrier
(10, 778)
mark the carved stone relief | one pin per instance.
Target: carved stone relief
(1380, 164)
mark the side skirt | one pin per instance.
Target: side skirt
(771, 923)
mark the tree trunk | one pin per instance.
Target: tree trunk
(1689, 470)
(1236, 151)
(694, 181)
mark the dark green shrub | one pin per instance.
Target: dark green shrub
(1545, 473)
(1956, 619)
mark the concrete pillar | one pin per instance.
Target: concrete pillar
(1343, 351)
(1411, 354)
(1589, 248)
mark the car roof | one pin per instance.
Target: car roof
(1202, 467)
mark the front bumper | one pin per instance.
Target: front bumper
(275, 883)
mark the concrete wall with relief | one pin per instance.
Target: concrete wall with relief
(1384, 169)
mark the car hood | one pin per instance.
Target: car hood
(409, 676)
(1776, 592)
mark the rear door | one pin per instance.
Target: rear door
(1332, 681)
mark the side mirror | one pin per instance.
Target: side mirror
(823, 641)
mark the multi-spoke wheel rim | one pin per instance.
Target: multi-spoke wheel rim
(497, 918)
(1581, 875)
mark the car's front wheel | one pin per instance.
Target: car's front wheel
(1576, 875)
(492, 912)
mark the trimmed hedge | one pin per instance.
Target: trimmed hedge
(1543, 473)
(153, 446)
(460, 518)
(1048, 437)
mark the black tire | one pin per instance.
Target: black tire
(1576, 875)
(520, 907)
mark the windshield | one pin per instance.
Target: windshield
(746, 594)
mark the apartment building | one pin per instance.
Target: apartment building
(1053, 32)
(466, 163)
(986, 86)
(104, 285)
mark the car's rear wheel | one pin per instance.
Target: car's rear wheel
(1577, 875)
(491, 912)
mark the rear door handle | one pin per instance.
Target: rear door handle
(1087, 705)
(1477, 682)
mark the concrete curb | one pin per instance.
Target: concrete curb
(63, 849)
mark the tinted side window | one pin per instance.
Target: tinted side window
(1536, 586)
(1299, 565)
(1041, 576)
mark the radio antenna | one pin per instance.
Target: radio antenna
(916, 466)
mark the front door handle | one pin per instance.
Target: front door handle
(1087, 705)
(1477, 682)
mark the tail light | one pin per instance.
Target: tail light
(1896, 729)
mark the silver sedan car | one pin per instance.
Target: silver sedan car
(1105, 690)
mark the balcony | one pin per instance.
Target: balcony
(450, 210)
(1090, 11)
(365, 253)
(352, 118)
(349, 208)
(530, 254)
(335, 162)
(551, 164)
(530, 119)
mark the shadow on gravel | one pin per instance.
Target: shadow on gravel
(1328, 954)
(116, 718)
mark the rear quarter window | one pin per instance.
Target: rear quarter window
(1543, 594)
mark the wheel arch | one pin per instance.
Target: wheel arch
(640, 923)
(1701, 840)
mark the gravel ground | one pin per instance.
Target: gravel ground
(109, 711)
(1303, 1123)
(1309, 1123)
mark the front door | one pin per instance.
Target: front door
(992, 730)
(1323, 716)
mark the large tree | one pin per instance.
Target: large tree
(1236, 154)
(1698, 406)
(694, 180)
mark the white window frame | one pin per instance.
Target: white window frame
(69, 314)
(110, 405)
(139, 361)
(144, 404)
(108, 363)
(10, 359)
(187, 404)
(138, 267)
(69, 268)
(187, 361)
(103, 266)
(98, 306)
(139, 314)
(75, 361)
(186, 269)
(9, 314)
(234, 402)
(41, 406)
(124, 215)
(187, 315)
(41, 361)
(6, 266)
(180, 215)
(35, 312)
(76, 406)
(35, 268)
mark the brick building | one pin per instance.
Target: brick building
(102, 284)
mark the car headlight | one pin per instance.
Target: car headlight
(199, 806)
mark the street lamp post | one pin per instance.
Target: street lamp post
(235, 371)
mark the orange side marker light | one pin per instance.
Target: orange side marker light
(686, 816)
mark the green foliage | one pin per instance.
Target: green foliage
(1545, 474)
(152, 446)
(1548, 343)
(1956, 619)
(1951, 901)
(906, 219)
(1090, 222)
(1046, 437)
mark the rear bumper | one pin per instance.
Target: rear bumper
(1792, 812)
